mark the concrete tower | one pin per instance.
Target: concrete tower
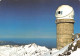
(65, 25)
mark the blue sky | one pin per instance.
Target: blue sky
(33, 18)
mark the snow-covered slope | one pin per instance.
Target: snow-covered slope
(69, 50)
(24, 50)
(36, 50)
(75, 53)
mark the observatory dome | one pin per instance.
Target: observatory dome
(64, 12)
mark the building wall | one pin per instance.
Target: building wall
(65, 28)
(78, 43)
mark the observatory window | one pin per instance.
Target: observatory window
(59, 12)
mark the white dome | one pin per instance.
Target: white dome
(64, 12)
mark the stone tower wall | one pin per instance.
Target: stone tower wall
(65, 28)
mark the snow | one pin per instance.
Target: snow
(76, 53)
(66, 48)
(61, 50)
(36, 50)
(24, 50)
(54, 50)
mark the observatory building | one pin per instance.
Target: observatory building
(65, 25)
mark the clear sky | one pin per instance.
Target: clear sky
(33, 18)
